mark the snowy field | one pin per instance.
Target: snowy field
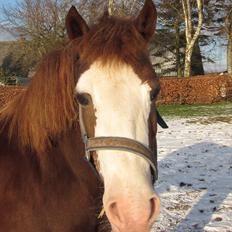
(195, 175)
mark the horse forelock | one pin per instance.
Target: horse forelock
(113, 39)
(38, 116)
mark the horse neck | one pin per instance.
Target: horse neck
(65, 156)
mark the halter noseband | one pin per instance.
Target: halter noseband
(116, 143)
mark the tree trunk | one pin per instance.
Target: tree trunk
(187, 62)
(228, 29)
(191, 37)
(229, 55)
(111, 7)
(177, 45)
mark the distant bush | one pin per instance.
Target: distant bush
(6, 77)
(15, 65)
(195, 90)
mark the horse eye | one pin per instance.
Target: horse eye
(83, 99)
(154, 93)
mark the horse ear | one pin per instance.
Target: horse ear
(146, 21)
(75, 24)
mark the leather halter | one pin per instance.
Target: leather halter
(116, 143)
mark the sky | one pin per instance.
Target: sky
(7, 2)
(3, 34)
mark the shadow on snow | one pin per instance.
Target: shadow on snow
(205, 167)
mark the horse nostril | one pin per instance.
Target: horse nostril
(113, 214)
(154, 208)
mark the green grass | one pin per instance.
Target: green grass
(187, 111)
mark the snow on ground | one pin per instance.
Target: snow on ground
(195, 176)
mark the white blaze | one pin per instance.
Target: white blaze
(122, 104)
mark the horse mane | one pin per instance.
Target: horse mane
(113, 39)
(47, 108)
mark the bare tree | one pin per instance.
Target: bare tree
(228, 29)
(124, 7)
(39, 24)
(91, 10)
(191, 35)
(111, 7)
(129, 7)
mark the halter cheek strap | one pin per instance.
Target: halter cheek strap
(118, 143)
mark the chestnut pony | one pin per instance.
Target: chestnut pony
(46, 184)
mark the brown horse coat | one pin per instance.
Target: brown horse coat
(45, 183)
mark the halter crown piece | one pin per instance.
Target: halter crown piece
(116, 143)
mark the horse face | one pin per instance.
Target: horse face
(118, 88)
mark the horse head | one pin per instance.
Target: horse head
(116, 88)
